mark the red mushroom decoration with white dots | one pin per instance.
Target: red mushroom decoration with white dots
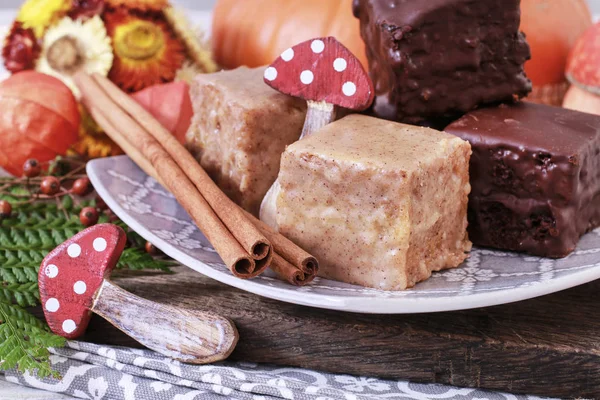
(73, 282)
(583, 66)
(583, 71)
(326, 74)
(72, 273)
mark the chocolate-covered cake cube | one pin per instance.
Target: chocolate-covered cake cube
(431, 59)
(535, 177)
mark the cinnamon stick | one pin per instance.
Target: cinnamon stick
(249, 236)
(290, 262)
(288, 272)
(301, 271)
(289, 250)
(229, 249)
(122, 142)
(283, 268)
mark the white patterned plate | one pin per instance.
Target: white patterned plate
(488, 277)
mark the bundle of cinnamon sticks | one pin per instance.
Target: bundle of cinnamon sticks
(246, 245)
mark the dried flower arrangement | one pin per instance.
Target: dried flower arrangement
(136, 43)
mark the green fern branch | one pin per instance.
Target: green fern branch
(26, 237)
(23, 294)
(24, 341)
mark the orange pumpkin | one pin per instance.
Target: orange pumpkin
(255, 32)
(40, 119)
(552, 27)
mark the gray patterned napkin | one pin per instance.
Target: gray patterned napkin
(97, 372)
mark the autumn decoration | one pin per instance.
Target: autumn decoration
(138, 44)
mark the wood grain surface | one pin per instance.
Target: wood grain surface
(548, 346)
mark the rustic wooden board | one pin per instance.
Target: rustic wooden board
(547, 346)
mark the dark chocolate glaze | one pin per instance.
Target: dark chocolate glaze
(440, 58)
(535, 177)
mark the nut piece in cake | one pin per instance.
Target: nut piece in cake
(535, 173)
(437, 58)
(380, 204)
(239, 129)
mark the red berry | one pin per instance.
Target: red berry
(100, 204)
(151, 249)
(32, 168)
(88, 216)
(50, 185)
(5, 208)
(81, 186)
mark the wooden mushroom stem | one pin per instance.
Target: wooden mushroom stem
(73, 281)
(190, 336)
(318, 114)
